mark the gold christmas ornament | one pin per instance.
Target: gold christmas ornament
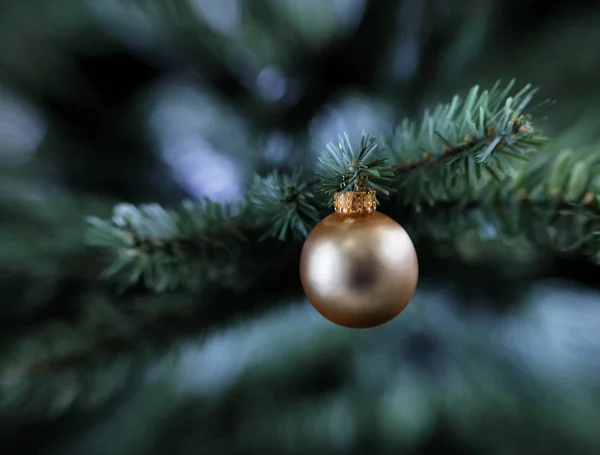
(358, 267)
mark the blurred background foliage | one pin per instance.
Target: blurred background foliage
(145, 101)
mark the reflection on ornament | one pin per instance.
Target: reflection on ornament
(358, 267)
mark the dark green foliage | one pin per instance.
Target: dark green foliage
(552, 204)
(168, 249)
(453, 157)
(210, 345)
(285, 204)
(464, 144)
(345, 169)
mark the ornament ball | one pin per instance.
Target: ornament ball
(359, 269)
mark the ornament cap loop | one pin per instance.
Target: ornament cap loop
(355, 202)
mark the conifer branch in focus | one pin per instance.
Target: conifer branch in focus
(461, 149)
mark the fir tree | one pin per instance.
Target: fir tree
(122, 281)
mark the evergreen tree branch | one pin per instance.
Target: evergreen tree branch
(172, 249)
(345, 169)
(286, 204)
(200, 244)
(554, 204)
(76, 356)
(79, 363)
(463, 145)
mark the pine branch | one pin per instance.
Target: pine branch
(199, 244)
(346, 169)
(285, 204)
(79, 363)
(561, 212)
(167, 249)
(463, 145)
